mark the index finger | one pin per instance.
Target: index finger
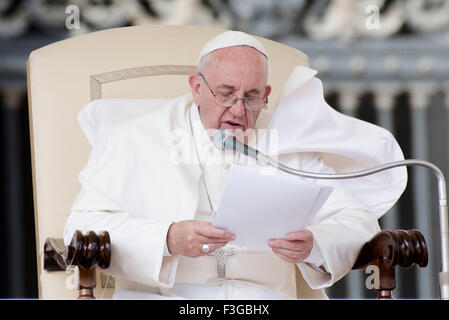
(302, 235)
(213, 232)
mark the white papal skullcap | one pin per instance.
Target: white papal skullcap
(231, 39)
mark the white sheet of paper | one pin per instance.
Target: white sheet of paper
(258, 207)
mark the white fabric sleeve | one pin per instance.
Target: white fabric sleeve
(137, 245)
(339, 252)
(316, 259)
(166, 251)
(340, 228)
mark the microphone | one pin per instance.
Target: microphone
(225, 140)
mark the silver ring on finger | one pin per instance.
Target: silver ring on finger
(205, 248)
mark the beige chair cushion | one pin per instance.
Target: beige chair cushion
(130, 62)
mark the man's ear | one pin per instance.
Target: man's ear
(267, 91)
(194, 82)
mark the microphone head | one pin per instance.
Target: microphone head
(220, 137)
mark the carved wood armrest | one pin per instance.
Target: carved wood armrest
(84, 251)
(388, 249)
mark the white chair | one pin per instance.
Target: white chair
(130, 62)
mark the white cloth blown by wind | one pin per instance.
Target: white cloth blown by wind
(306, 123)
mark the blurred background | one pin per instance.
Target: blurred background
(384, 61)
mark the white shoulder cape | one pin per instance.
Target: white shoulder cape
(306, 123)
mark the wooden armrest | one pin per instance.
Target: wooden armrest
(388, 249)
(84, 251)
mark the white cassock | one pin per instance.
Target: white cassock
(143, 174)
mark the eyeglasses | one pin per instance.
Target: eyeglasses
(228, 100)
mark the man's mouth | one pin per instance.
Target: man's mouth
(231, 125)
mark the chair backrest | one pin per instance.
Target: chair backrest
(130, 62)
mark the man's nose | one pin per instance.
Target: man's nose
(238, 109)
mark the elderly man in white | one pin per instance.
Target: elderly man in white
(159, 211)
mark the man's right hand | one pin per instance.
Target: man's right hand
(187, 238)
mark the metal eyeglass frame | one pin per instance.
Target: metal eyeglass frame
(236, 98)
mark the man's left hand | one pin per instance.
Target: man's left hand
(295, 247)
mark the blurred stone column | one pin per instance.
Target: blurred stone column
(349, 100)
(420, 95)
(385, 98)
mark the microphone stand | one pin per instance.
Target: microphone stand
(223, 139)
(442, 198)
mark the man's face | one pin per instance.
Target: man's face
(239, 70)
